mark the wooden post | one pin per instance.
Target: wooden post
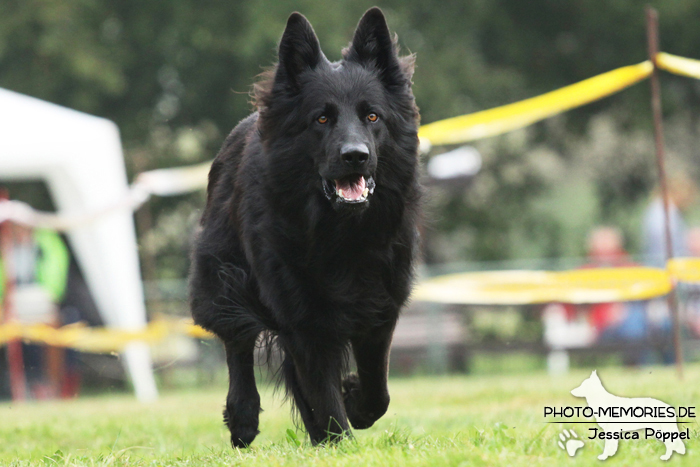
(672, 297)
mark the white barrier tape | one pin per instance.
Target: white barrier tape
(175, 181)
(162, 182)
(22, 213)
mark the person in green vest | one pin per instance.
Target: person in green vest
(40, 261)
(43, 258)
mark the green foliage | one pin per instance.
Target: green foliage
(498, 206)
(175, 76)
(292, 438)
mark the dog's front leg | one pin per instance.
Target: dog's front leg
(366, 394)
(313, 377)
(243, 401)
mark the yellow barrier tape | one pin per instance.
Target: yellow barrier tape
(510, 117)
(472, 288)
(685, 269)
(529, 287)
(98, 340)
(678, 65)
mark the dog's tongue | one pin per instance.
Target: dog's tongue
(351, 188)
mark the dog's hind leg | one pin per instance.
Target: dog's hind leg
(676, 445)
(366, 394)
(609, 449)
(243, 401)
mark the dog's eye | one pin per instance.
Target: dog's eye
(322, 119)
(372, 117)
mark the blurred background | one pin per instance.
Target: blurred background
(567, 192)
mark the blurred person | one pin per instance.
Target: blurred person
(615, 320)
(692, 308)
(40, 262)
(682, 192)
(693, 241)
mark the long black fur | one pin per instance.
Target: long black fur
(280, 254)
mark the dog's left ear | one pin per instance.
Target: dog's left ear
(373, 47)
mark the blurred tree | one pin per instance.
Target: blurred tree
(174, 75)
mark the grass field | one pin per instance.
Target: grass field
(474, 421)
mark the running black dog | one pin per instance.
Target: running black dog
(309, 232)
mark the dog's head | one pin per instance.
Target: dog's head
(349, 125)
(590, 385)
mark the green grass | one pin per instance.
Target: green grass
(474, 421)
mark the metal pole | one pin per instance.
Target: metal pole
(15, 359)
(653, 48)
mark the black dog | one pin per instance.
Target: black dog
(309, 231)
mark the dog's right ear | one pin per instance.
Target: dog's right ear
(299, 49)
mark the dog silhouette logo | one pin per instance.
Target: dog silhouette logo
(623, 418)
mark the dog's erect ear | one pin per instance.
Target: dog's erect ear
(299, 48)
(373, 47)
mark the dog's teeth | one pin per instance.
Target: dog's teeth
(340, 193)
(365, 193)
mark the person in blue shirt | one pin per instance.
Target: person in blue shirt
(682, 193)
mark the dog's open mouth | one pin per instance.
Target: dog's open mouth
(352, 189)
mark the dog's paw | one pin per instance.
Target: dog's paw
(243, 432)
(242, 437)
(569, 442)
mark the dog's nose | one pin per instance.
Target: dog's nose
(356, 155)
